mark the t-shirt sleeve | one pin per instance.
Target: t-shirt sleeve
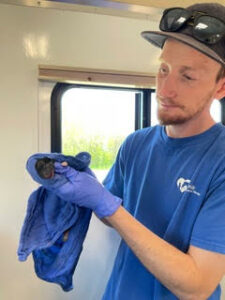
(114, 181)
(209, 229)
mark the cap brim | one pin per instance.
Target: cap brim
(158, 38)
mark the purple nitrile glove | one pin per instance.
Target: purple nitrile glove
(85, 190)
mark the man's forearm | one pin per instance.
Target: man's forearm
(174, 269)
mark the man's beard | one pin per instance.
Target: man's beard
(184, 116)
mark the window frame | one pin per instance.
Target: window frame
(222, 110)
(142, 108)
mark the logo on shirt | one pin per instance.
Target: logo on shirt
(185, 186)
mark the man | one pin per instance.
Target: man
(167, 186)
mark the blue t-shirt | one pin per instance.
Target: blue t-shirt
(176, 188)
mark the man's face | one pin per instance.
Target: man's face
(185, 84)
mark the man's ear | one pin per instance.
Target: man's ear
(220, 93)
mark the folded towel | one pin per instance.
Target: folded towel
(54, 229)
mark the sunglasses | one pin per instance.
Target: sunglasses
(206, 29)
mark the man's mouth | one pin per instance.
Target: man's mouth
(167, 105)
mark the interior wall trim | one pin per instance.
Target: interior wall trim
(96, 76)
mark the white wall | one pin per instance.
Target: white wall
(32, 36)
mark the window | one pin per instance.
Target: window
(97, 120)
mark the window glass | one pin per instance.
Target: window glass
(96, 121)
(216, 111)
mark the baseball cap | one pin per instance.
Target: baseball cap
(185, 33)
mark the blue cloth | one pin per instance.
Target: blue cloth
(47, 219)
(176, 188)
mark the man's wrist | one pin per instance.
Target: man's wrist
(108, 206)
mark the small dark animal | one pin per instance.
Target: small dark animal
(45, 167)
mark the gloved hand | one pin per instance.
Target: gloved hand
(85, 190)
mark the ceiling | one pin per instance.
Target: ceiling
(124, 8)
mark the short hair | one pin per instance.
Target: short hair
(220, 74)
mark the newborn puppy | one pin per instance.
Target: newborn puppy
(45, 167)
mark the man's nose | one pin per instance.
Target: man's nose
(167, 87)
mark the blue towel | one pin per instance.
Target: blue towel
(54, 229)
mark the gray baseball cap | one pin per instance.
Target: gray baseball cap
(185, 33)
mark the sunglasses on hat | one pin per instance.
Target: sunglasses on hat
(205, 28)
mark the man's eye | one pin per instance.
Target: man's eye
(188, 77)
